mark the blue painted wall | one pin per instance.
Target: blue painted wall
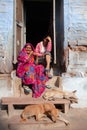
(75, 22)
(6, 35)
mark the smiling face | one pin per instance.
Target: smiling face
(28, 49)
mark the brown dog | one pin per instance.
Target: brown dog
(41, 110)
(58, 94)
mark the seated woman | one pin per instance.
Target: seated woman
(31, 74)
(43, 53)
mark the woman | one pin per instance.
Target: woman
(31, 74)
(43, 53)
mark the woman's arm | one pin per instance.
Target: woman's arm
(37, 50)
(49, 47)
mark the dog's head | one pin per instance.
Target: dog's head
(71, 96)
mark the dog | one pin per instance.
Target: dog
(54, 94)
(42, 110)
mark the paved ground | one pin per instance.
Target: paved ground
(77, 118)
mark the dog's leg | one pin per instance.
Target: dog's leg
(54, 119)
(64, 120)
(40, 117)
(44, 118)
(23, 117)
(51, 98)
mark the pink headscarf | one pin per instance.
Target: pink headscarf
(28, 44)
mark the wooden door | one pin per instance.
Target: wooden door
(18, 28)
(58, 16)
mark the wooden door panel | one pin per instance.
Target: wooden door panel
(19, 5)
(19, 21)
(18, 41)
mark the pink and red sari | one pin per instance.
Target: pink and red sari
(31, 73)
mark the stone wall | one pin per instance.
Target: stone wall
(76, 36)
(6, 47)
(75, 32)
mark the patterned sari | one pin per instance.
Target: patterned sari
(31, 73)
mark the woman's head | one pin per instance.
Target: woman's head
(28, 47)
(46, 40)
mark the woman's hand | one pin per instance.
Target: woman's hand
(49, 38)
(31, 53)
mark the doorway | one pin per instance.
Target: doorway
(38, 20)
(42, 18)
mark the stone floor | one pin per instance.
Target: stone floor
(76, 116)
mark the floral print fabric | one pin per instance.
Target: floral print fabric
(31, 73)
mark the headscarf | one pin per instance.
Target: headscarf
(23, 56)
(27, 44)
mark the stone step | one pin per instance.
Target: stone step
(15, 122)
(55, 82)
(11, 101)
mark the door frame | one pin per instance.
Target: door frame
(23, 32)
(16, 24)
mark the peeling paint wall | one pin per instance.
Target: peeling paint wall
(6, 35)
(75, 32)
(75, 20)
(6, 47)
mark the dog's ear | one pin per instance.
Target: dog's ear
(74, 91)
